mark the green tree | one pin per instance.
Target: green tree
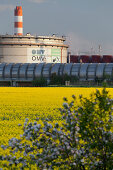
(83, 141)
(60, 80)
(39, 82)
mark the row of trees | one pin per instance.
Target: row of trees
(54, 80)
(84, 140)
(60, 80)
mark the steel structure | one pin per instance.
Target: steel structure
(32, 49)
(30, 71)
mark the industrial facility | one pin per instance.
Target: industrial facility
(24, 58)
(19, 74)
(19, 48)
(32, 49)
(90, 58)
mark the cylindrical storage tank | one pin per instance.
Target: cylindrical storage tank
(47, 70)
(75, 70)
(15, 71)
(55, 69)
(107, 59)
(2, 67)
(61, 69)
(91, 72)
(23, 71)
(8, 70)
(83, 72)
(108, 71)
(38, 70)
(32, 49)
(96, 59)
(100, 71)
(74, 58)
(30, 71)
(84, 59)
(67, 69)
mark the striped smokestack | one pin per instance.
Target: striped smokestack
(18, 21)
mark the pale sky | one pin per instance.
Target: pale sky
(85, 23)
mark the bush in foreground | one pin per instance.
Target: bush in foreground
(83, 141)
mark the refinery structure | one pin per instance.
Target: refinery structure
(21, 73)
(32, 49)
(19, 48)
(24, 58)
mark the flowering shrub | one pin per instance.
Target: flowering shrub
(83, 141)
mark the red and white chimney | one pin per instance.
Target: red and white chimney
(18, 21)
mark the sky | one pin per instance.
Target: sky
(87, 24)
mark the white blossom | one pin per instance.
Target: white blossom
(26, 120)
(82, 160)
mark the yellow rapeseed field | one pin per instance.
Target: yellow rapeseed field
(16, 104)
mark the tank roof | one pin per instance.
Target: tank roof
(52, 37)
(16, 36)
(28, 35)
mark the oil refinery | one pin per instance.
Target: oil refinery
(19, 48)
(24, 58)
(31, 49)
(23, 74)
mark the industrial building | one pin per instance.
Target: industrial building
(24, 58)
(90, 58)
(32, 49)
(20, 73)
(19, 48)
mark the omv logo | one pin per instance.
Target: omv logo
(38, 52)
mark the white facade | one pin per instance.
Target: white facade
(32, 49)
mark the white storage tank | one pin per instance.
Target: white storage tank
(32, 49)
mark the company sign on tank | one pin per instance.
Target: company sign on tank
(43, 55)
